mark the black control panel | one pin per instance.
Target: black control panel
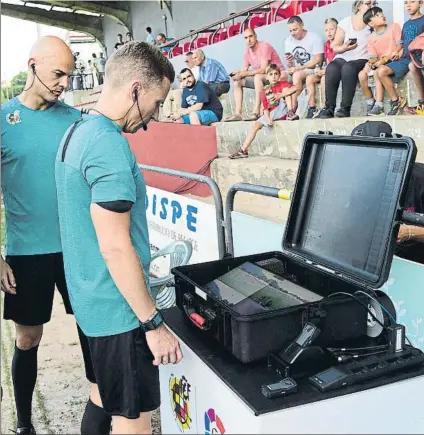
(362, 370)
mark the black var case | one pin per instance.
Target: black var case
(340, 236)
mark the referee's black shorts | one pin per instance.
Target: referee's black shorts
(127, 379)
(36, 278)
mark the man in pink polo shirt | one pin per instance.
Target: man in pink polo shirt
(257, 57)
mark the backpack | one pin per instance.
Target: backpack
(374, 129)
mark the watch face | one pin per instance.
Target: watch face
(157, 320)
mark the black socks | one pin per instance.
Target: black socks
(24, 375)
(95, 421)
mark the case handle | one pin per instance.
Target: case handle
(203, 323)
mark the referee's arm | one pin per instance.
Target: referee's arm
(122, 260)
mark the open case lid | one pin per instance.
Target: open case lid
(346, 205)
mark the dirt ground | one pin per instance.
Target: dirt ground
(62, 390)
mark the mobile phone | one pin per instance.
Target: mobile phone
(281, 388)
(352, 41)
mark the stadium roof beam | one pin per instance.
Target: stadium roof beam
(119, 10)
(78, 22)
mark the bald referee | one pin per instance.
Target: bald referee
(32, 127)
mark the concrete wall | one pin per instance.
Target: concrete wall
(111, 28)
(187, 15)
(190, 15)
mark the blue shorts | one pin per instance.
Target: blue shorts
(206, 117)
(400, 68)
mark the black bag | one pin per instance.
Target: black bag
(373, 129)
(339, 238)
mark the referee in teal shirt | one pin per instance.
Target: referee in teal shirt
(32, 127)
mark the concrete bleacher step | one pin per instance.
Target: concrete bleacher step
(284, 140)
(406, 89)
(266, 171)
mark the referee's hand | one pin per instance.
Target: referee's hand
(8, 284)
(164, 346)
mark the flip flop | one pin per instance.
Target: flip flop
(251, 117)
(233, 118)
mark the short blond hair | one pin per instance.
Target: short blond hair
(139, 61)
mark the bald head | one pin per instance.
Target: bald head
(52, 62)
(250, 37)
(51, 49)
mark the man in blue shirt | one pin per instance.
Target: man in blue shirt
(200, 105)
(212, 73)
(106, 250)
(162, 39)
(32, 126)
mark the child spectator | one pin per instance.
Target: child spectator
(319, 76)
(277, 105)
(384, 45)
(394, 71)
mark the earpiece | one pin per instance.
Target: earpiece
(135, 99)
(135, 95)
(33, 67)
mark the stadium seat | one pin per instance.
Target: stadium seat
(234, 30)
(201, 41)
(258, 21)
(186, 47)
(220, 35)
(176, 51)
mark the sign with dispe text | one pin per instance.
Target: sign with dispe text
(175, 217)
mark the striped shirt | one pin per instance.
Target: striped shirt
(211, 71)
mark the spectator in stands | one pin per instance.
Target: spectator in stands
(384, 45)
(119, 43)
(129, 37)
(411, 238)
(174, 97)
(150, 38)
(101, 65)
(319, 74)
(95, 70)
(277, 103)
(394, 71)
(188, 60)
(162, 39)
(350, 46)
(212, 72)
(304, 51)
(88, 76)
(200, 105)
(258, 56)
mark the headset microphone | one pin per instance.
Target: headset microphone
(36, 75)
(143, 124)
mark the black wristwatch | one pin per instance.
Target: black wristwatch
(155, 321)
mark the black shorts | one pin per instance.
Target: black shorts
(127, 379)
(36, 277)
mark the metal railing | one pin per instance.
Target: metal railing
(256, 189)
(261, 7)
(81, 82)
(216, 194)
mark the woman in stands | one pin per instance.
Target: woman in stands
(350, 46)
(319, 77)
